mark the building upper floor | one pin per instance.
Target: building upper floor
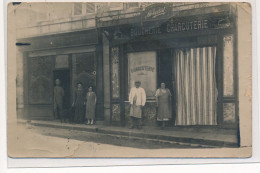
(39, 19)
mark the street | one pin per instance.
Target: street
(35, 141)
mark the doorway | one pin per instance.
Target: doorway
(64, 76)
(165, 76)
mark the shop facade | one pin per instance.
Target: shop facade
(72, 57)
(193, 51)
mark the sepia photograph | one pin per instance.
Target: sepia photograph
(129, 79)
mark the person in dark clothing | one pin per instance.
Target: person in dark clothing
(58, 100)
(79, 104)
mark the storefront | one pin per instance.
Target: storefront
(71, 57)
(193, 51)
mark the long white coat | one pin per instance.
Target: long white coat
(140, 94)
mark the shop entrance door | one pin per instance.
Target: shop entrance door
(196, 89)
(165, 69)
(64, 76)
(165, 76)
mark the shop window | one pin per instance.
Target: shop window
(40, 84)
(77, 8)
(84, 8)
(142, 67)
(229, 112)
(90, 7)
(115, 72)
(84, 69)
(228, 66)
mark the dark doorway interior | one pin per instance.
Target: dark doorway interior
(165, 69)
(165, 75)
(64, 76)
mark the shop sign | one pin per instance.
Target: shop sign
(157, 11)
(175, 25)
(187, 26)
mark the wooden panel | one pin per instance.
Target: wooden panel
(229, 113)
(40, 112)
(116, 113)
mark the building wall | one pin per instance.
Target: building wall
(245, 72)
(30, 14)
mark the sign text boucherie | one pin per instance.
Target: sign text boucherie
(182, 25)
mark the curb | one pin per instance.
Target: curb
(145, 136)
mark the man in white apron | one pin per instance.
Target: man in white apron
(137, 99)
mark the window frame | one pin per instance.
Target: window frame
(95, 7)
(73, 9)
(128, 3)
(116, 8)
(83, 9)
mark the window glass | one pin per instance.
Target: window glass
(90, 7)
(62, 61)
(77, 8)
(39, 78)
(142, 67)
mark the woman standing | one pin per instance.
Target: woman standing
(90, 106)
(163, 100)
(78, 103)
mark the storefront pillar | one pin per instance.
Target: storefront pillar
(106, 78)
(19, 84)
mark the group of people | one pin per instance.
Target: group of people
(137, 99)
(83, 106)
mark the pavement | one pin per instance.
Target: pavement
(207, 137)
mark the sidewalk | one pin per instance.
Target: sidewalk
(182, 135)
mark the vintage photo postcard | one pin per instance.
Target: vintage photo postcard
(129, 79)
